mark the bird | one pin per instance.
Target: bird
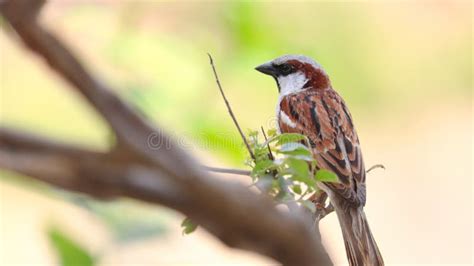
(308, 105)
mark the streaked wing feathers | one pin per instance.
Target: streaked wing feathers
(323, 117)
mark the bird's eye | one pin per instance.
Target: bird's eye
(285, 69)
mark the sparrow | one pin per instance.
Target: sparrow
(308, 105)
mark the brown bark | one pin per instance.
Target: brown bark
(168, 176)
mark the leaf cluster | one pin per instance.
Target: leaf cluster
(284, 167)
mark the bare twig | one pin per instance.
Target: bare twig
(227, 170)
(319, 199)
(375, 167)
(270, 154)
(167, 176)
(229, 109)
(326, 210)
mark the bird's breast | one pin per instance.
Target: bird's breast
(285, 121)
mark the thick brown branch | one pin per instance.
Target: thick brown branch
(133, 132)
(167, 175)
(217, 206)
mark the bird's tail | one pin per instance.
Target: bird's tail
(361, 248)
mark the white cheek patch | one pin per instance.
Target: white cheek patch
(291, 83)
(287, 120)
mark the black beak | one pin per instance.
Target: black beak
(268, 69)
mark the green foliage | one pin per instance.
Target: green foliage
(288, 138)
(326, 176)
(291, 175)
(288, 174)
(69, 251)
(188, 226)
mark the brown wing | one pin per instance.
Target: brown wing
(323, 117)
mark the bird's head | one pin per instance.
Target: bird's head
(294, 73)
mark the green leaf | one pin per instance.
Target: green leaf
(297, 150)
(297, 167)
(287, 147)
(261, 167)
(300, 171)
(260, 152)
(324, 175)
(188, 226)
(271, 133)
(289, 137)
(297, 189)
(70, 252)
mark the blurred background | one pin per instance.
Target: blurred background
(404, 69)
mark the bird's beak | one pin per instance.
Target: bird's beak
(268, 69)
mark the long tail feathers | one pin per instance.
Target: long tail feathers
(361, 248)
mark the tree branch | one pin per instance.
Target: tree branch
(375, 167)
(227, 170)
(167, 176)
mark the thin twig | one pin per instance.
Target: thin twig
(319, 200)
(227, 170)
(375, 167)
(270, 154)
(325, 211)
(211, 61)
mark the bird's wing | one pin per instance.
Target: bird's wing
(323, 117)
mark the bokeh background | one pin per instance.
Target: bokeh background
(404, 68)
